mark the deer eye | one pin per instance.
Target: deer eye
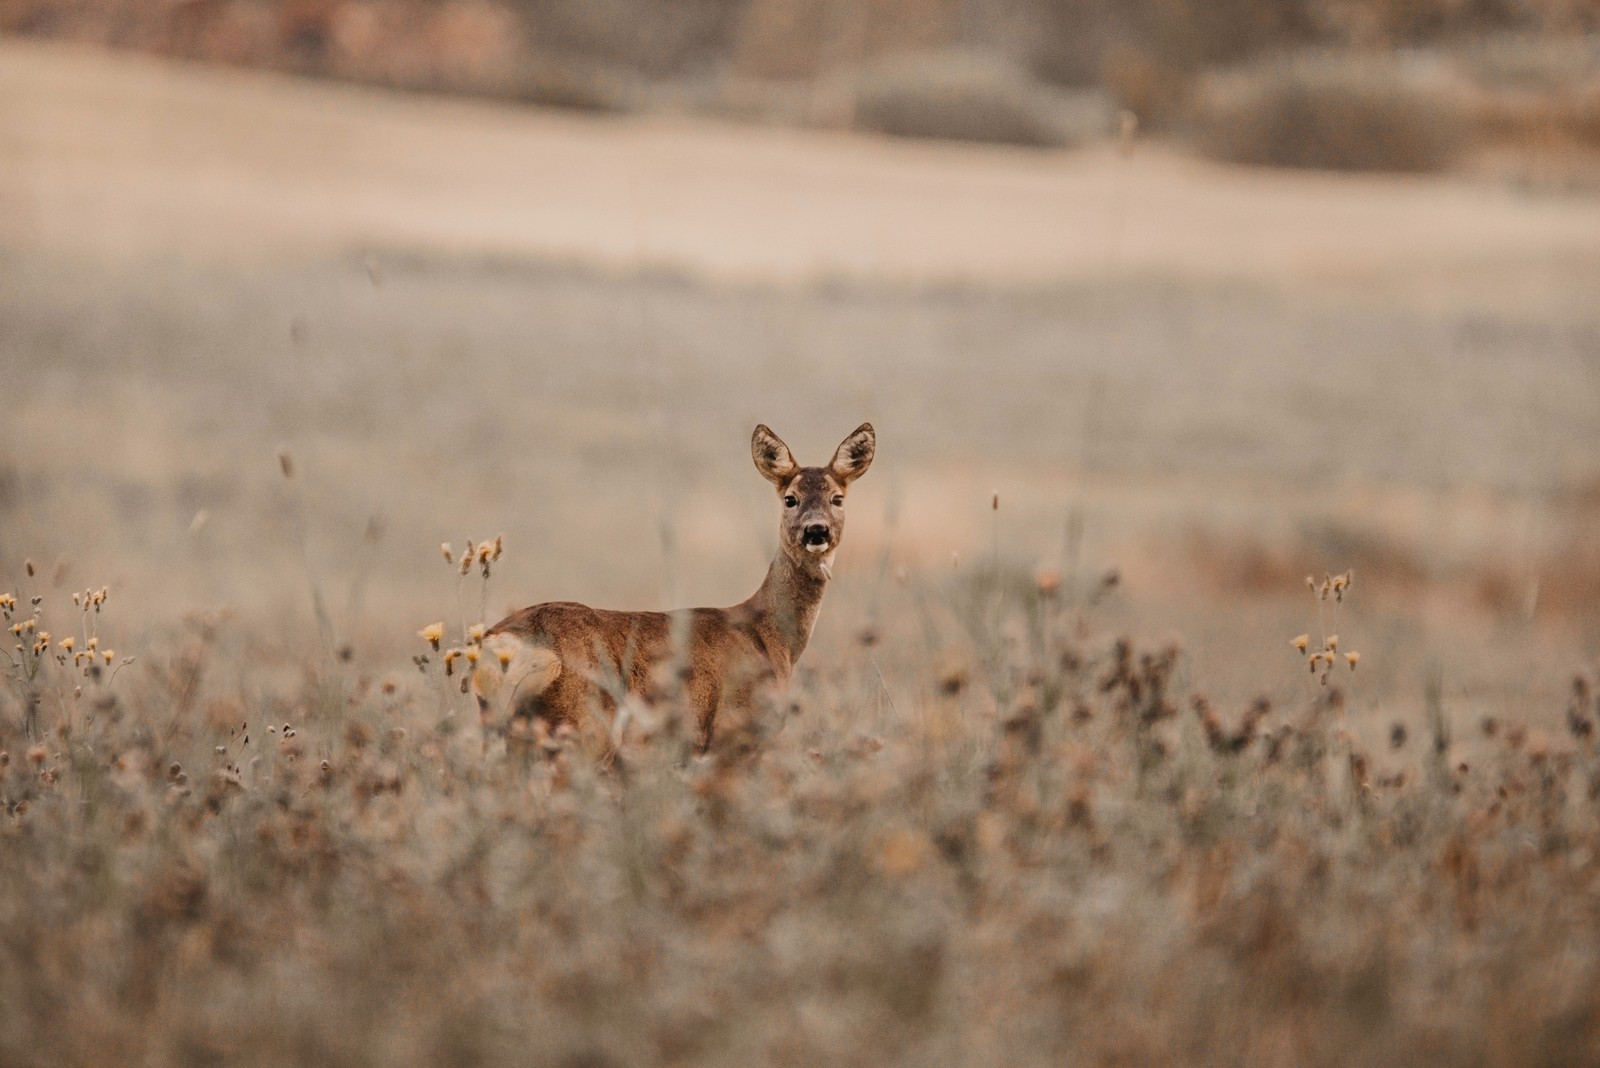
(838, 502)
(791, 501)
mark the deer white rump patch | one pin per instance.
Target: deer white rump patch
(513, 670)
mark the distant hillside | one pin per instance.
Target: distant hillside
(1385, 84)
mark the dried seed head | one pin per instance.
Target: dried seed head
(499, 545)
(476, 632)
(445, 551)
(433, 634)
(1301, 642)
(504, 656)
(1352, 659)
(1333, 642)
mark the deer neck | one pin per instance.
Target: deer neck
(787, 604)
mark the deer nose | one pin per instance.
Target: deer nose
(815, 534)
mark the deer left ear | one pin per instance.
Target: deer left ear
(854, 454)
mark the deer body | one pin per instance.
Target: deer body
(561, 663)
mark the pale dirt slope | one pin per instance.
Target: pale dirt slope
(132, 156)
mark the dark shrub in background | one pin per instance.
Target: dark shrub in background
(1332, 110)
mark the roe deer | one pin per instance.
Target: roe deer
(546, 662)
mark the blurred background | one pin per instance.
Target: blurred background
(1214, 295)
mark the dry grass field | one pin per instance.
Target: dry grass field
(264, 345)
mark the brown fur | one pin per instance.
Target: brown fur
(569, 662)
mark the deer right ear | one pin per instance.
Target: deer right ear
(773, 458)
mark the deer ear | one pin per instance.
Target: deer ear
(854, 454)
(773, 458)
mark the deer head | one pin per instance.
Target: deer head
(813, 497)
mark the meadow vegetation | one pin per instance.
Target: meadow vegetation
(1050, 847)
(1075, 768)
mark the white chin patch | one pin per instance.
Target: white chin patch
(814, 548)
